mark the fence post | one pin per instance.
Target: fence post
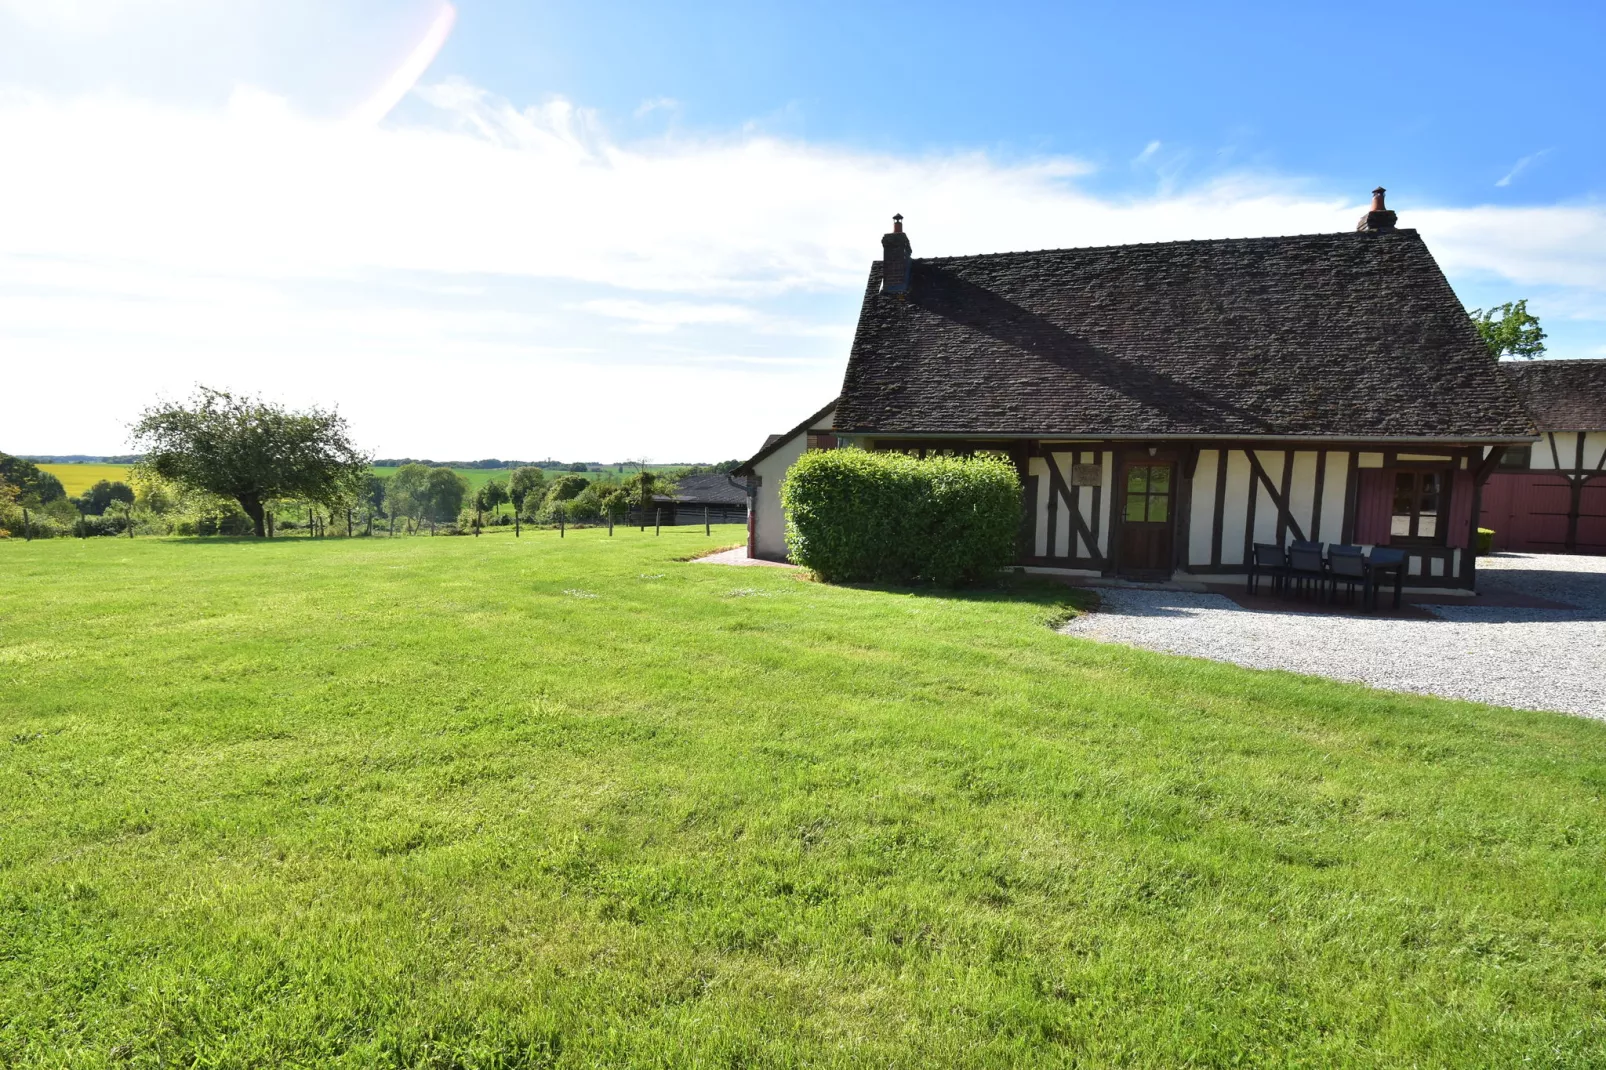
(610, 523)
(515, 521)
(657, 521)
(560, 521)
(348, 523)
(706, 529)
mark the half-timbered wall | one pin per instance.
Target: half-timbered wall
(1244, 496)
(1071, 516)
(1572, 451)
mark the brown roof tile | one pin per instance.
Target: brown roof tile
(1563, 395)
(1354, 334)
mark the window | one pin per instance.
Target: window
(1516, 457)
(1148, 494)
(822, 440)
(1418, 498)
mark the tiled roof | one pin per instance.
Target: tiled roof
(1563, 395)
(710, 489)
(1352, 334)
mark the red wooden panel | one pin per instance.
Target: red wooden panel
(1374, 501)
(1527, 511)
(1592, 518)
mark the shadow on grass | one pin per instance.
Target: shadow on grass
(1058, 602)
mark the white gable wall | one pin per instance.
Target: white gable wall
(769, 519)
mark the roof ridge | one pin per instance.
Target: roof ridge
(1332, 234)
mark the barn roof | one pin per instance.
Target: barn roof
(711, 489)
(1562, 395)
(1351, 334)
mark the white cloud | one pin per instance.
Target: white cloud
(1519, 167)
(667, 315)
(444, 280)
(1148, 153)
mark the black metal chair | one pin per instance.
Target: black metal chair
(1268, 560)
(1347, 565)
(1382, 562)
(1305, 565)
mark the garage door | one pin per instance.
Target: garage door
(1529, 513)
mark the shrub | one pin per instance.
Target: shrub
(888, 518)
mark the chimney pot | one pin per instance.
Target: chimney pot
(1379, 218)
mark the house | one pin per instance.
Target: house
(1550, 496)
(1170, 405)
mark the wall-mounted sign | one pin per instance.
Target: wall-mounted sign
(1087, 475)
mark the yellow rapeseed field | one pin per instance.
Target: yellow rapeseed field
(78, 478)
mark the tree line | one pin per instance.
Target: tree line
(227, 464)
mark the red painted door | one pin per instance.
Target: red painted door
(1529, 513)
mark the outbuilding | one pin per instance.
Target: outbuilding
(1550, 496)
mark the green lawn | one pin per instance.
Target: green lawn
(462, 802)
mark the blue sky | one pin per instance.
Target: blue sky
(606, 230)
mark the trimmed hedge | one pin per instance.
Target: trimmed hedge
(854, 516)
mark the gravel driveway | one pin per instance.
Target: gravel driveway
(1542, 659)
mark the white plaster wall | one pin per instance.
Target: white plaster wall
(1109, 504)
(1039, 468)
(1235, 510)
(1595, 449)
(1202, 515)
(769, 523)
(1302, 492)
(1335, 487)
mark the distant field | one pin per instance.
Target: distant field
(78, 478)
(552, 802)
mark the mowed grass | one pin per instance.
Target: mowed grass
(491, 802)
(77, 478)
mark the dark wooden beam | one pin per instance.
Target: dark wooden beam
(1285, 519)
(1316, 497)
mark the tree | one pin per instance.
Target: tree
(371, 494)
(526, 482)
(1510, 330)
(444, 492)
(96, 499)
(408, 493)
(250, 450)
(565, 487)
(34, 486)
(577, 466)
(496, 495)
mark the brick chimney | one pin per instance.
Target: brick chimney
(895, 259)
(1379, 218)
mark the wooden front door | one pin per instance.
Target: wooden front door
(1148, 518)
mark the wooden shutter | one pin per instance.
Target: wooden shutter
(1374, 506)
